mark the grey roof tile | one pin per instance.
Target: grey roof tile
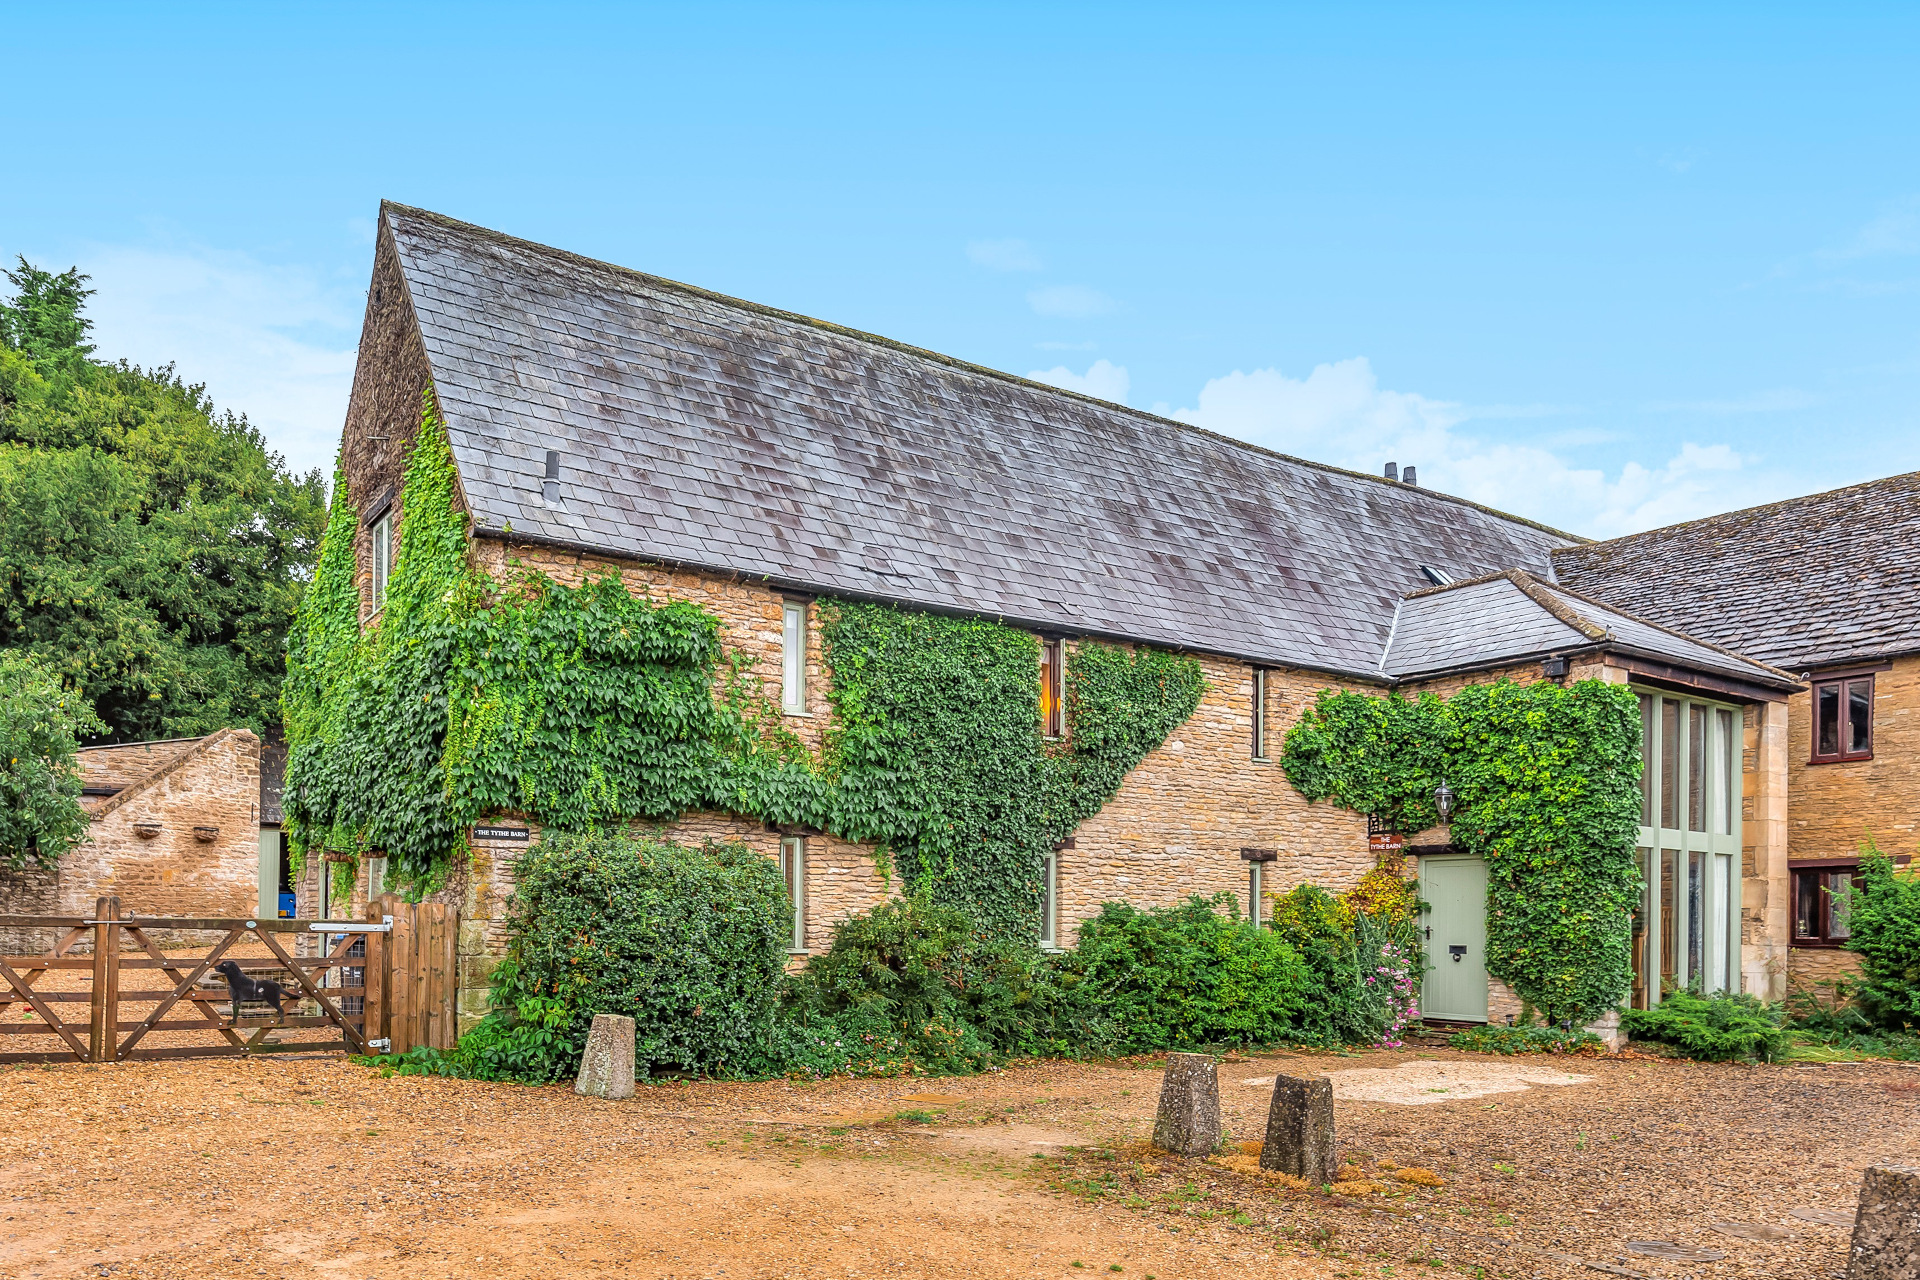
(1824, 579)
(997, 495)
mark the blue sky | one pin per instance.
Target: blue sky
(1607, 268)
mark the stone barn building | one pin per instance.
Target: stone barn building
(760, 462)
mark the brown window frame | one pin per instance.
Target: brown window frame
(1843, 686)
(1053, 688)
(1800, 871)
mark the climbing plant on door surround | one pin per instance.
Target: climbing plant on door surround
(1547, 785)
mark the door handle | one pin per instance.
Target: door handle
(1429, 933)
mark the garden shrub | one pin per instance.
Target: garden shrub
(917, 984)
(1885, 921)
(1177, 978)
(1361, 959)
(1824, 1016)
(1511, 1040)
(1719, 1028)
(690, 943)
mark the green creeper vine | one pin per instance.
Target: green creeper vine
(937, 758)
(588, 707)
(1547, 785)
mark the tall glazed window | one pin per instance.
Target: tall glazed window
(1689, 921)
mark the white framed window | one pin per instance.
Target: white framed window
(793, 657)
(1050, 901)
(793, 869)
(382, 559)
(1259, 713)
(1256, 890)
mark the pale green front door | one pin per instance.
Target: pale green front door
(1454, 886)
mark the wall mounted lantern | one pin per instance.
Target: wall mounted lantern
(1443, 801)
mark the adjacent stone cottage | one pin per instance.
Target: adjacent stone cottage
(1828, 588)
(760, 463)
(174, 831)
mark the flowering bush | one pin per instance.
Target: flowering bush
(1362, 955)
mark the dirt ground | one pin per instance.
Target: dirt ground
(314, 1167)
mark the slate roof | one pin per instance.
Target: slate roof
(1514, 617)
(1825, 579)
(700, 430)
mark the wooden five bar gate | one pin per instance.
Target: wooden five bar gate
(384, 984)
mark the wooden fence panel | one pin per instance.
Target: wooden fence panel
(415, 1003)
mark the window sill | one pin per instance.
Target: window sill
(1261, 759)
(1052, 949)
(799, 951)
(1857, 759)
(789, 711)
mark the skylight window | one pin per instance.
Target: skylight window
(1437, 577)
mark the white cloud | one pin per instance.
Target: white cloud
(1003, 255)
(1779, 400)
(1073, 301)
(275, 343)
(1340, 414)
(1102, 380)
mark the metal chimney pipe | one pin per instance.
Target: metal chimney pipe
(1407, 477)
(1393, 471)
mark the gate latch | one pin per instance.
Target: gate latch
(381, 1046)
(1456, 951)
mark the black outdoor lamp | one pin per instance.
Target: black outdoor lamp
(1443, 801)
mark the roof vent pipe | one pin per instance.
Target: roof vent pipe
(1393, 471)
(1408, 476)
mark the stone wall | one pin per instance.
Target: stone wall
(1807, 967)
(383, 413)
(1838, 806)
(204, 857)
(1180, 819)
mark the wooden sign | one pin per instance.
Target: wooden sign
(501, 833)
(1382, 845)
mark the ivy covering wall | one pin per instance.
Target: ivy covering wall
(936, 755)
(588, 707)
(1546, 779)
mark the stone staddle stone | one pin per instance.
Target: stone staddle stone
(1189, 1123)
(606, 1069)
(1886, 1230)
(1300, 1129)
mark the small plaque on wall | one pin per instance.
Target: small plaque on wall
(501, 833)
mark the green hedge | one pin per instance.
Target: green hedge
(689, 943)
(1177, 978)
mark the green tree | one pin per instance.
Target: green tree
(41, 723)
(152, 552)
(1884, 917)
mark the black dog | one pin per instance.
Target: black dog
(247, 990)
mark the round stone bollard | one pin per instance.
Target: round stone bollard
(1189, 1122)
(1886, 1228)
(1300, 1129)
(606, 1068)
